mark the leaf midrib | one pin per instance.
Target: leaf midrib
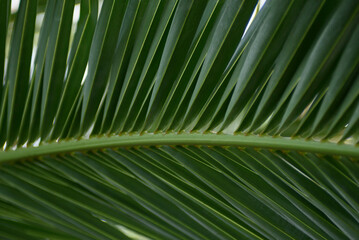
(153, 139)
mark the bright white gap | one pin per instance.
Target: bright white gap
(38, 22)
(85, 74)
(15, 5)
(37, 142)
(75, 19)
(76, 15)
(256, 10)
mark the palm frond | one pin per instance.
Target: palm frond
(180, 120)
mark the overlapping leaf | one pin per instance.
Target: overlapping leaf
(183, 193)
(174, 66)
(203, 67)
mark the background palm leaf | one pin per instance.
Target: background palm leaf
(179, 120)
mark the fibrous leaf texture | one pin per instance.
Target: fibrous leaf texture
(179, 119)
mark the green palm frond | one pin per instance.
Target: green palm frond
(182, 119)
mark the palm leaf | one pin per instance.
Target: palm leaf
(179, 120)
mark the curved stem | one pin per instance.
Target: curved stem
(150, 139)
